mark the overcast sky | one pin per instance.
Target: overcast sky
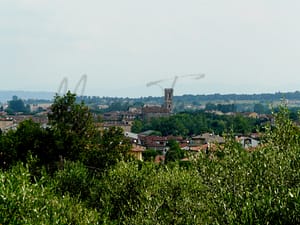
(241, 46)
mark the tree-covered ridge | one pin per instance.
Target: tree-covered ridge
(227, 186)
(32, 96)
(260, 103)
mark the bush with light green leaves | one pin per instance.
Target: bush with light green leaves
(25, 202)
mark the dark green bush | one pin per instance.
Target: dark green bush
(74, 180)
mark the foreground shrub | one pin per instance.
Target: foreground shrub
(150, 194)
(23, 202)
(73, 180)
(229, 186)
(259, 187)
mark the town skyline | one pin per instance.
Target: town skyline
(6, 95)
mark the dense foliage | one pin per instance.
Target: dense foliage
(17, 105)
(194, 123)
(25, 202)
(70, 135)
(227, 186)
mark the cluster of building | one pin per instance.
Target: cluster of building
(124, 119)
(8, 122)
(11, 122)
(147, 140)
(143, 141)
(200, 143)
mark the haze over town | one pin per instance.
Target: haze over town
(241, 46)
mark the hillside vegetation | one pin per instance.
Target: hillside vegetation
(71, 173)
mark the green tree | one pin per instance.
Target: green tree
(73, 126)
(259, 108)
(174, 153)
(210, 106)
(113, 147)
(25, 202)
(137, 126)
(73, 179)
(29, 139)
(150, 154)
(8, 153)
(242, 124)
(17, 105)
(168, 195)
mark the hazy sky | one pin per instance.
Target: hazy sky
(241, 46)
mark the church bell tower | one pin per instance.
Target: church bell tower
(169, 99)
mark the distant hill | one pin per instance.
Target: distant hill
(7, 95)
(263, 97)
(277, 96)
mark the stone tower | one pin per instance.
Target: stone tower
(169, 99)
